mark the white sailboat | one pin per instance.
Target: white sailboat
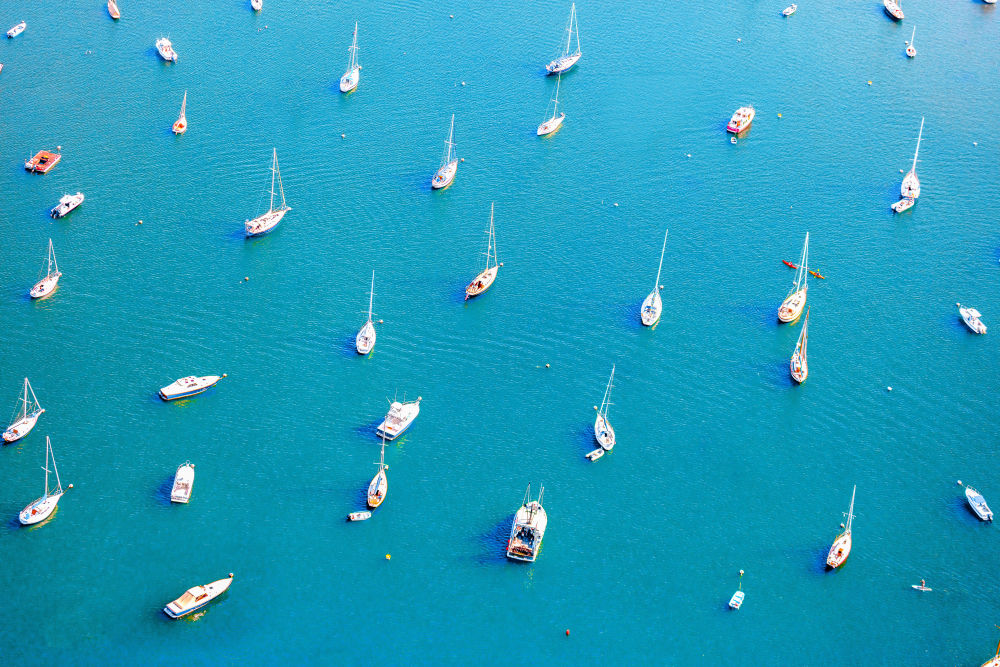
(893, 9)
(482, 282)
(47, 285)
(349, 81)
(257, 5)
(793, 304)
(799, 366)
(652, 306)
(555, 122)
(603, 432)
(910, 188)
(449, 163)
(26, 414)
(379, 485)
(567, 59)
(910, 49)
(841, 547)
(365, 340)
(181, 124)
(42, 508)
(262, 224)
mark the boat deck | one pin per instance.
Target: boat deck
(43, 162)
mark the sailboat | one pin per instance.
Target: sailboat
(603, 432)
(181, 124)
(555, 122)
(793, 304)
(893, 9)
(26, 414)
(911, 184)
(257, 5)
(482, 282)
(652, 306)
(567, 59)
(995, 660)
(365, 339)
(42, 508)
(799, 366)
(264, 223)
(449, 163)
(113, 9)
(380, 483)
(47, 285)
(910, 49)
(349, 81)
(841, 547)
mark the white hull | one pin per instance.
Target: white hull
(377, 489)
(21, 427)
(652, 308)
(17, 30)
(791, 307)
(183, 484)
(527, 532)
(265, 223)
(359, 516)
(604, 433)
(741, 120)
(563, 64)
(166, 50)
(350, 80)
(971, 318)
(893, 10)
(737, 600)
(978, 504)
(257, 5)
(45, 286)
(789, 10)
(904, 204)
(197, 597)
(399, 418)
(551, 125)
(365, 340)
(445, 175)
(188, 386)
(39, 510)
(911, 186)
(799, 368)
(66, 204)
(482, 282)
(839, 551)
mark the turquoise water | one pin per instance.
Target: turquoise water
(721, 464)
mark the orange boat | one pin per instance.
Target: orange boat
(43, 162)
(181, 126)
(113, 9)
(815, 273)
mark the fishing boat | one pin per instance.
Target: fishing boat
(26, 414)
(257, 5)
(971, 318)
(910, 188)
(789, 10)
(741, 120)
(183, 483)
(652, 305)
(42, 508)
(910, 49)
(994, 661)
(43, 162)
(555, 122)
(66, 204)
(359, 516)
(48, 284)
(181, 124)
(482, 282)
(603, 432)
(166, 49)
(799, 366)
(893, 9)
(528, 529)
(379, 485)
(197, 597)
(113, 10)
(841, 547)
(365, 340)
(262, 224)
(791, 307)
(349, 81)
(567, 59)
(398, 419)
(17, 30)
(189, 386)
(978, 504)
(449, 163)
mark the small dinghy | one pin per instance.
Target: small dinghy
(66, 204)
(17, 30)
(183, 483)
(971, 318)
(359, 516)
(789, 10)
(978, 504)
(41, 509)
(197, 597)
(596, 454)
(48, 284)
(904, 204)
(26, 415)
(189, 386)
(736, 600)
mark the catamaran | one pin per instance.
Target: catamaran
(555, 122)
(180, 492)
(971, 317)
(365, 340)
(26, 415)
(841, 547)
(652, 306)
(66, 204)
(799, 366)
(113, 9)
(379, 485)
(349, 81)
(197, 597)
(449, 163)
(262, 224)
(42, 508)
(528, 529)
(166, 49)
(399, 418)
(910, 49)
(47, 285)
(793, 304)
(567, 59)
(482, 282)
(603, 432)
(893, 9)
(181, 124)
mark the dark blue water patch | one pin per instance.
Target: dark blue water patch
(491, 545)
(162, 492)
(368, 430)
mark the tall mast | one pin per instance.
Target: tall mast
(52, 258)
(274, 166)
(805, 262)
(569, 28)
(371, 296)
(491, 242)
(656, 287)
(913, 169)
(24, 401)
(184, 103)
(607, 394)
(555, 108)
(576, 25)
(850, 512)
(354, 48)
(804, 336)
(450, 144)
(912, 34)
(48, 450)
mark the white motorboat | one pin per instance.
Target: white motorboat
(365, 340)
(264, 223)
(791, 307)
(893, 9)
(47, 285)
(567, 59)
(603, 432)
(799, 365)
(257, 5)
(166, 49)
(978, 504)
(359, 516)
(904, 204)
(484, 280)
(183, 483)
(789, 10)
(66, 204)
(42, 508)
(554, 122)
(910, 188)
(971, 318)
(910, 49)
(841, 547)
(449, 163)
(352, 76)
(17, 30)
(26, 415)
(528, 529)
(737, 600)
(741, 120)
(652, 306)
(189, 386)
(379, 485)
(197, 597)
(399, 418)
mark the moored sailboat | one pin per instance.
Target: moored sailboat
(791, 307)
(47, 285)
(257, 5)
(603, 431)
(552, 124)
(379, 485)
(352, 76)
(113, 10)
(181, 124)
(893, 9)
(652, 305)
(995, 660)
(264, 223)
(910, 188)
(567, 59)
(799, 366)
(42, 508)
(841, 547)
(365, 340)
(26, 415)
(910, 49)
(528, 529)
(482, 282)
(449, 163)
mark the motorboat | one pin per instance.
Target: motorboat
(904, 204)
(26, 415)
(197, 597)
(398, 419)
(971, 318)
(66, 204)
(379, 485)
(484, 280)
(978, 504)
(166, 49)
(113, 10)
(791, 307)
(603, 432)
(449, 163)
(737, 600)
(41, 509)
(17, 30)
(359, 516)
(352, 76)
(568, 58)
(741, 120)
(841, 547)
(265, 222)
(528, 529)
(789, 10)
(799, 364)
(183, 483)
(893, 9)
(189, 386)
(652, 305)
(48, 284)
(364, 342)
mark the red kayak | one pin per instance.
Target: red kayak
(815, 273)
(787, 263)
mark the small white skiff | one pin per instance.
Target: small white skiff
(359, 516)
(737, 600)
(17, 30)
(66, 204)
(789, 10)
(197, 597)
(183, 483)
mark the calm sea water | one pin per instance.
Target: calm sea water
(721, 463)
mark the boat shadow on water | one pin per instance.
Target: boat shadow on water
(162, 492)
(817, 559)
(959, 507)
(492, 543)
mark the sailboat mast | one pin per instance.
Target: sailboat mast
(913, 169)
(491, 243)
(354, 48)
(55, 468)
(24, 401)
(805, 262)
(656, 287)
(569, 28)
(48, 450)
(850, 512)
(371, 296)
(274, 164)
(184, 104)
(555, 108)
(52, 258)
(576, 26)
